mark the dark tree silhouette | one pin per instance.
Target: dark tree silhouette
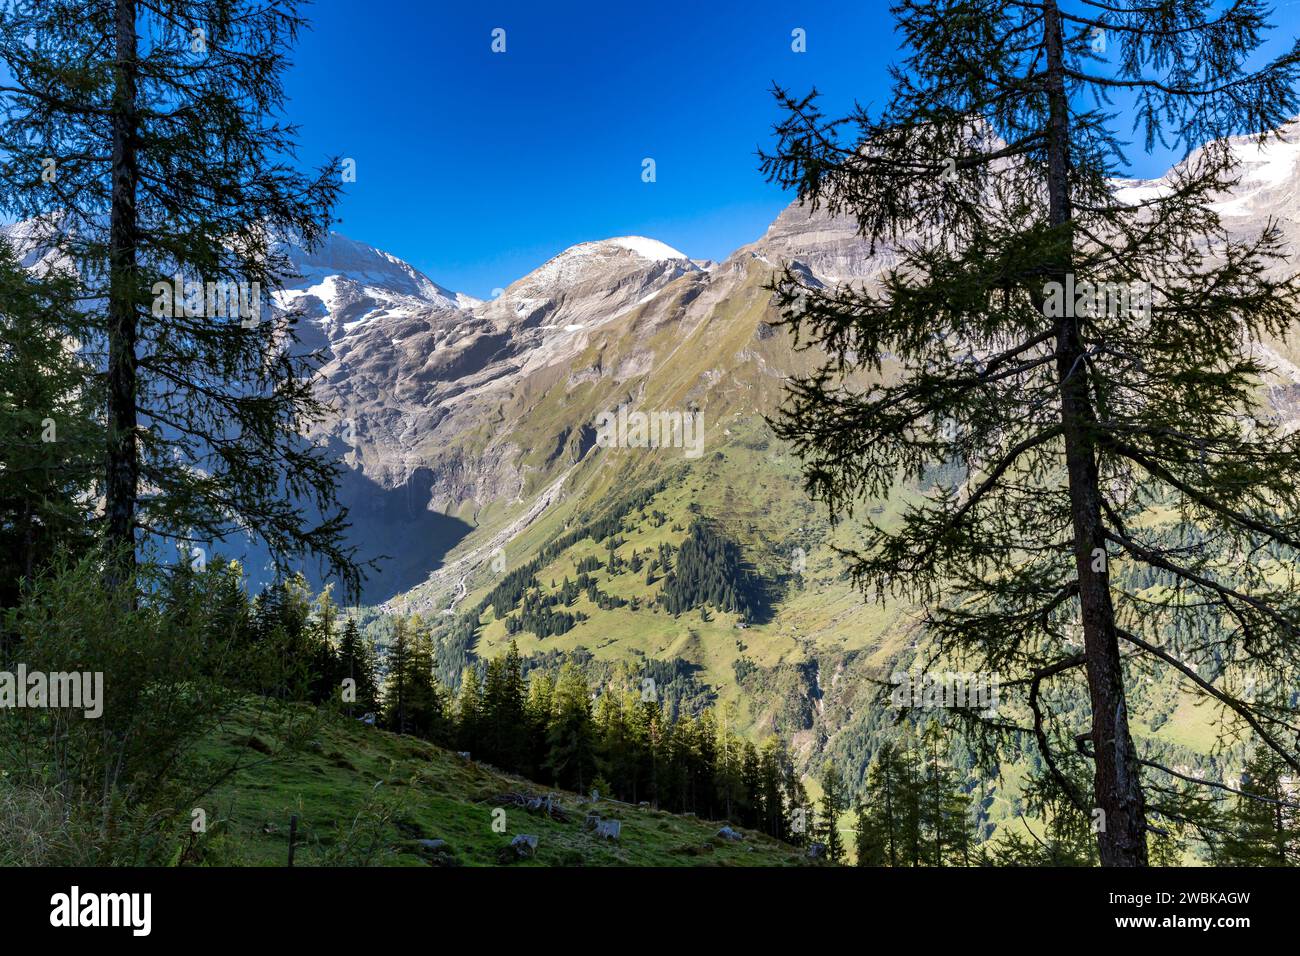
(1063, 371)
(140, 143)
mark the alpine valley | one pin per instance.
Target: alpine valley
(475, 478)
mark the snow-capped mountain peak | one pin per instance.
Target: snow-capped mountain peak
(343, 284)
(604, 255)
(588, 282)
(367, 267)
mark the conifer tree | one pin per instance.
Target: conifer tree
(1054, 362)
(280, 646)
(729, 774)
(326, 676)
(428, 708)
(571, 755)
(888, 797)
(612, 738)
(704, 735)
(754, 808)
(397, 686)
(833, 803)
(868, 844)
(636, 742)
(229, 607)
(673, 772)
(959, 828)
(766, 780)
(658, 750)
(537, 718)
(357, 663)
(469, 712)
(890, 829)
(943, 807)
(414, 702)
(497, 733)
(141, 143)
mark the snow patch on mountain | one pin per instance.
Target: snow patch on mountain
(367, 267)
(1131, 192)
(1269, 173)
(588, 284)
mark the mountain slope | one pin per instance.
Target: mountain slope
(363, 795)
(487, 416)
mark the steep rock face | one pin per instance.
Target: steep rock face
(1269, 186)
(829, 248)
(424, 373)
(344, 287)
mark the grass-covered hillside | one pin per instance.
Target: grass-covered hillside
(366, 796)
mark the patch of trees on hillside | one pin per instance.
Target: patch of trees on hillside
(708, 570)
(625, 743)
(542, 614)
(606, 526)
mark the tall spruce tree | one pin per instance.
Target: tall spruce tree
(537, 718)
(889, 830)
(761, 777)
(1067, 372)
(571, 738)
(943, 807)
(326, 675)
(469, 712)
(886, 799)
(428, 708)
(357, 663)
(140, 142)
(833, 803)
(867, 846)
(398, 689)
(503, 709)
(729, 774)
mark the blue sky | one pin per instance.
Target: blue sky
(476, 167)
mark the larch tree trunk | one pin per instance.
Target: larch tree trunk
(1121, 827)
(122, 470)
